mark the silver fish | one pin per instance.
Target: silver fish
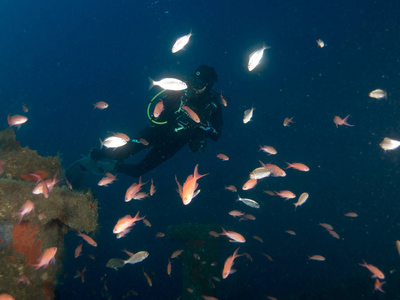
(113, 142)
(260, 173)
(249, 202)
(248, 114)
(389, 144)
(181, 43)
(171, 84)
(378, 94)
(137, 257)
(255, 58)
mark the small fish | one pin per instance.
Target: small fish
(169, 268)
(160, 234)
(334, 234)
(231, 188)
(100, 105)
(339, 121)
(176, 253)
(158, 109)
(271, 193)
(82, 274)
(78, 251)
(137, 257)
(152, 188)
(320, 43)
(191, 113)
(87, 238)
(223, 101)
(236, 213)
(147, 223)
(108, 179)
(287, 121)
(268, 149)
(376, 273)
(140, 196)
(286, 194)
(24, 108)
(222, 157)
(291, 232)
(389, 144)
(134, 189)
(16, 120)
(302, 199)
(260, 173)
(249, 202)
(234, 236)
(247, 217)
(298, 166)
(205, 297)
(317, 258)
(275, 170)
(213, 233)
(148, 278)
(248, 114)
(171, 84)
(256, 237)
(143, 142)
(398, 246)
(249, 184)
(189, 189)
(378, 94)
(112, 142)
(126, 223)
(25, 209)
(351, 215)
(326, 226)
(47, 257)
(181, 42)
(255, 58)
(378, 285)
(229, 264)
(268, 257)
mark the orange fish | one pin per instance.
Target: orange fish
(334, 234)
(108, 179)
(298, 166)
(5, 296)
(276, 171)
(376, 273)
(143, 142)
(133, 190)
(213, 233)
(25, 209)
(223, 101)
(126, 222)
(16, 120)
(247, 217)
(249, 184)
(87, 238)
(351, 215)
(140, 196)
(231, 188)
(287, 121)
(378, 285)
(223, 157)
(256, 237)
(268, 149)
(176, 253)
(100, 105)
(191, 114)
(152, 188)
(160, 234)
(24, 108)
(148, 278)
(33, 177)
(188, 190)
(286, 195)
(229, 263)
(78, 251)
(234, 236)
(326, 226)
(317, 258)
(147, 223)
(82, 274)
(169, 268)
(236, 213)
(291, 232)
(47, 257)
(339, 121)
(205, 297)
(158, 109)
(268, 256)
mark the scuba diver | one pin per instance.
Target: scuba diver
(172, 129)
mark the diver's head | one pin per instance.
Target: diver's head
(203, 79)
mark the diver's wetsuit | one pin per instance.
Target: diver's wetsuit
(167, 139)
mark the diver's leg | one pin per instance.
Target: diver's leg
(156, 156)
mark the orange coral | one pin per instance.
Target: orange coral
(24, 241)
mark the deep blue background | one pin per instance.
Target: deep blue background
(60, 58)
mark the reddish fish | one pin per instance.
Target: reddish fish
(298, 166)
(126, 222)
(268, 149)
(16, 120)
(87, 238)
(25, 209)
(158, 109)
(133, 190)
(286, 194)
(339, 121)
(47, 257)
(108, 179)
(287, 121)
(229, 263)
(191, 114)
(376, 273)
(100, 105)
(378, 285)
(249, 184)
(78, 251)
(189, 189)
(234, 236)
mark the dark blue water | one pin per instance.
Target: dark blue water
(60, 58)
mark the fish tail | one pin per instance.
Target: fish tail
(151, 81)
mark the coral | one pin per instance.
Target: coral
(24, 241)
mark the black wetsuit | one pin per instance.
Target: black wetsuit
(167, 139)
